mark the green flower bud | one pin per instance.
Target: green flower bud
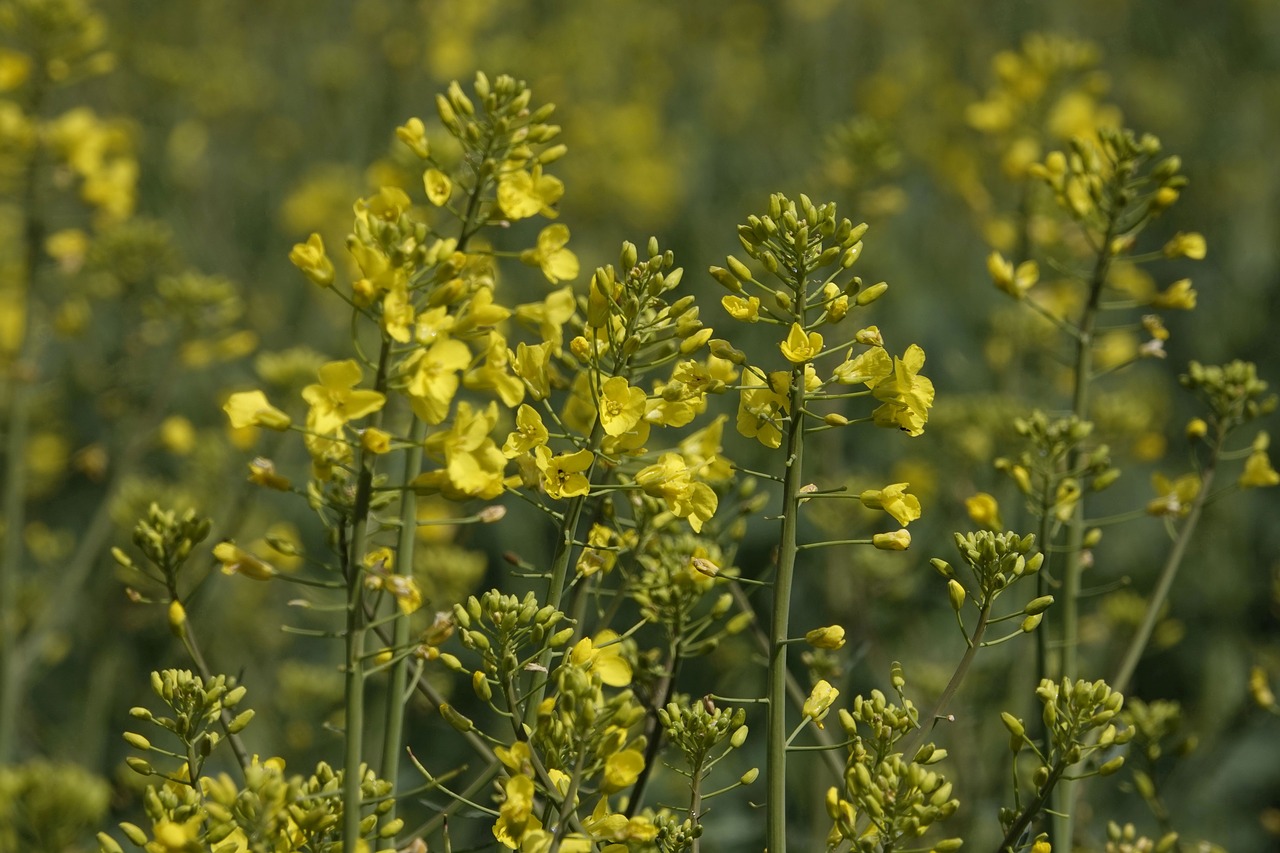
(139, 765)
(453, 718)
(1038, 605)
(1013, 724)
(750, 776)
(480, 684)
(134, 833)
(955, 591)
(739, 737)
(241, 720)
(871, 294)
(1031, 622)
(107, 844)
(1111, 766)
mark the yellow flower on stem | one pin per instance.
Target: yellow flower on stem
(906, 395)
(867, 368)
(1015, 282)
(335, 400)
(1188, 245)
(564, 475)
(830, 637)
(473, 464)
(671, 479)
(237, 561)
(1174, 496)
(622, 769)
(984, 511)
(550, 255)
(251, 408)
(438, 186)
(529, 433)
(1258, 472)
(550, 315)
(620, 406)
(603, 656)
(515, 816)
(801, 347)
(820, 700)
(262, 472)
(495, 374)
(413, 133)
(898, 540)
(744, 310)
(894, 500)
(532, 366)
(1180, 296)
(375, 440)
(433, 378)
(761, 411)
(522, 194)
(310, 257)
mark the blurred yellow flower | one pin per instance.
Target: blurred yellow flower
(237, 561)
(310, 257)
(984, 511)
(1258, 472)
(251, 408)
(522, 194)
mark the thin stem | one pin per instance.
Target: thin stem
(916, 738)
(1138, 644)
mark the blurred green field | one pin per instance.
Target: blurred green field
(256, 123)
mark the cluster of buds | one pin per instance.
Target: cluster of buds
(507, 631)
(197, 706)
(698, 728)
(792, 242)
(1041, 471)
(166, 538)
(898, 799)
(1233, 391)
(1125, 839)
(1105, 184)
(995, 561)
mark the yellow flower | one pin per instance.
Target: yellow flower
(744, 310)
(906, 395)
(620, 406)
(869, 337)
(671, 479)
(473, 464)
(522, 194)
(178, 435)
(761, 411)
(894, 500)
(375, 440)
(557, 262)
(820, 700)
(702, 450)
(528, 434)
(1174, 496)
(413, 133)
(479, 311)
(515, 815)
(1180, 296)
(622, 769)
(564, 476)
(405, 591)
(433, 378)
(550, 315)
(531, 365)
(262, 471)
(898, 540)
(866, 368)
(334, 401)
(250, 408)
(312, 260)
(1015, 282)
(830, 637)
(603, 656)
(438, 186)
(397, 308)
(800, 347)
(494, 374)
(237, 561)
(984, 511)
(1258, 472)
(1188, 245)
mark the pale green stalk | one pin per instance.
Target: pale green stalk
(1138, 644)
(1074, 563)
(353, 687)
(914, 741)
(779, 624)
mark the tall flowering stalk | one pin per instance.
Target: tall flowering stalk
(804, 248)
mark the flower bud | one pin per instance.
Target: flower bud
(1032, 622)
(750, 776)
(871, 294)
(955, 591)
(453, 718)
(1038, 605)
(137, 741)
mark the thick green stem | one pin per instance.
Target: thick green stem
(353, 566)
(1168, 572)
(1074, 563)
(1009, 844)
(399, 675)
(776, 769)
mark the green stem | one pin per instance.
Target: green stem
(399, 680)
(916, 738)
(353, 566)
(779, 625)
(1074, 564)
(1168, 573)
(1010, 841)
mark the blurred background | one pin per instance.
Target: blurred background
(255, 123)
